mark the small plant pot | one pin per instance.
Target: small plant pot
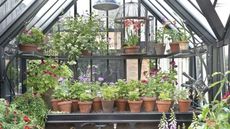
(183, 45)
(65, 106)
(28, 47)
(107, 106)
(54, 103)
(135, 106)
(121, 105)
(97, 107)
(85, 107)
(149, 103)
(174, 47)
(75, 105)
(159, 49)
(163, 106)
(184, 105)
(131, 49)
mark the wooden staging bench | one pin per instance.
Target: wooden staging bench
(116, 117)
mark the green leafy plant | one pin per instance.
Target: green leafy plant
(86, 96)
(161, 34)
(62, 91)
(123, 89)
(165, 95)
(109, 92)
(134, 96)
(32, 36)
(76, 88)
(181, 94)
(95, 89)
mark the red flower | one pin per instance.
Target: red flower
(226, 95)
(144, 81)
(26, 119)
(27, 127)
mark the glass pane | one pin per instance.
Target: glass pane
(55, 12)
(7, 6)
(4, 25)
(197, 15)
(222, 9)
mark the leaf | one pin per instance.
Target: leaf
(215, 83)
(217, 73)
(227, 72)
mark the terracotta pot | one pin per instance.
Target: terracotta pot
(121, 105)
(54, 103)
(74, 105)
(135, 106)
(183, 45)
(149, 103)
(97, 107)
(131, 49)
(107, 106)
(85, 107)
(86, 52)
(184, 105)
(174, 47)
(159, 48)
(163, 106)
(28, 47)
(65, 106)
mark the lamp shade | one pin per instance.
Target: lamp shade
(105, 5)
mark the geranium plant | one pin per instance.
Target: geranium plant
(32, 36)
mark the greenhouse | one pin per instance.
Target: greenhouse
(114, 64)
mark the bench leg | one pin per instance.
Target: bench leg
(132, 125)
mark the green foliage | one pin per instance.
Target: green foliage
(86, 96)
(33, 36)
(161, 34)
(165, 95)
(109, 92)
(134, 96)
(95, 89)
(151, 87)
(28, 104)
(181, 94)
(123, 88)
(76, 89)
(163, 122)
(62, 91)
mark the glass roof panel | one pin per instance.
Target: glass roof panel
(223, 11)
(197, 15)
(46, 8)
(16, 13)
(55, 14)
(49, 14)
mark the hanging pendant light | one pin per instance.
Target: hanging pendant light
(105, 5)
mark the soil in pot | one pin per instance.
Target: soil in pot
(174, 47)
(97, 107)
(159, 49)
(74, 105)
(163, 106)
(121, 105)
(184, 105)
(85, 107)
(28, 47)
(107, 106)
(54, 103)
(149, 103)
(65, 106)
(131, 49)
(135, 106)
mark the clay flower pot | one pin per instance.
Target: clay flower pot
(184, 105)
(163, 105)
(54, 103)
(28, 47)
(183, 45)
(121, 105)
(149, 103)
(74, 105)
(159, 48)
(85, 107)
(135, 106)
(131, 49)
(174, 47)
(107, 106)
(97, 107)
(65, 106)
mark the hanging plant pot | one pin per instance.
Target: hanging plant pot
(54, 103)
(149, 103)
(163, 105)
(75, 105)
(85, 107)
(135, 106)
(121, 105)
(28, 47)
(174, 47)
(131, 49)
(159, 48)
(183, 45)
(97, 107)
(184, 105)
(107, 105)
(65, 106)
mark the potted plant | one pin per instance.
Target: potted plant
(29, 40)
(183, 101)
(123, 91)
(164, 101)
(109, 94)
(134, 101)
(149, 98)
(132, 28)
(160, 36)
(85, 103)
(96, 92)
